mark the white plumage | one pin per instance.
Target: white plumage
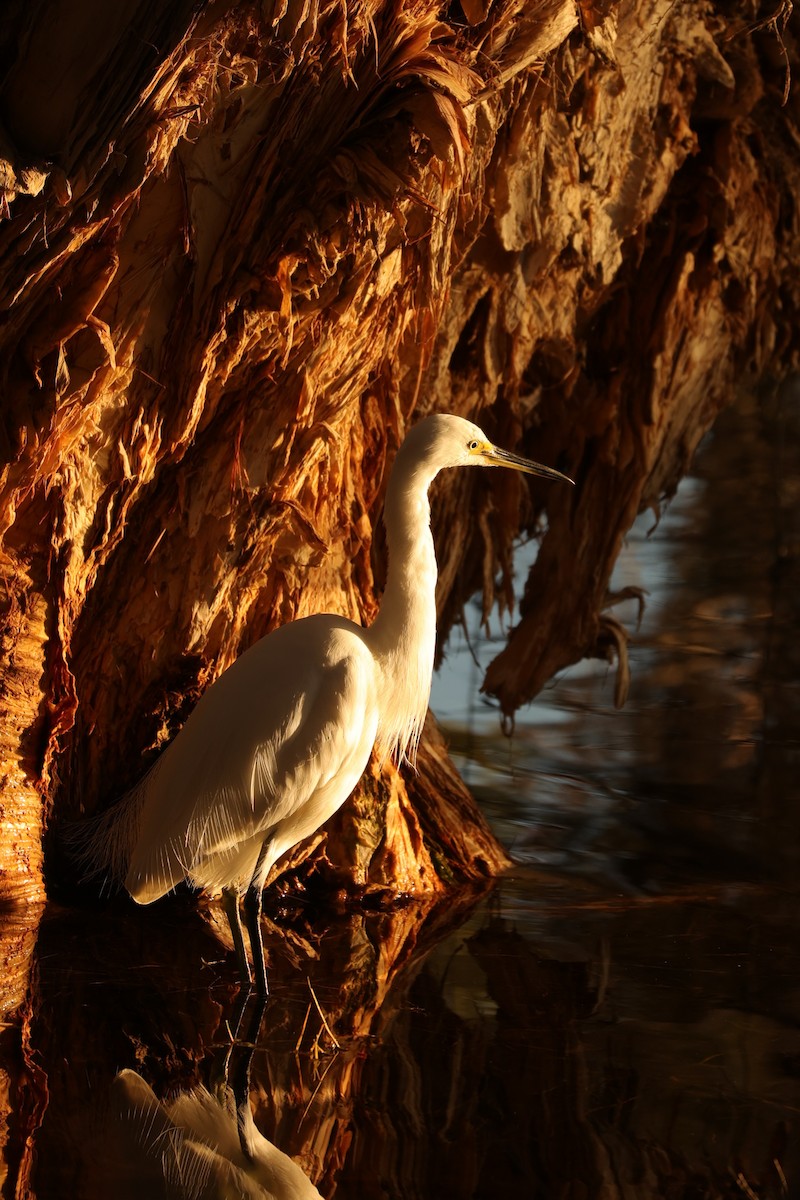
(264, 753)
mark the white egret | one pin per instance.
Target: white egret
(282, 737)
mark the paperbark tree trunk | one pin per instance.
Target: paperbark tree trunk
(244, 245)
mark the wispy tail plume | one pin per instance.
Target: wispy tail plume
(101, 846)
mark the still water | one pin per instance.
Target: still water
(618, 1018)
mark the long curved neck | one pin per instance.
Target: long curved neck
(403, 635)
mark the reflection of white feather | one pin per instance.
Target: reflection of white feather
(192, 1145)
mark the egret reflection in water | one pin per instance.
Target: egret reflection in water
(201, 1146)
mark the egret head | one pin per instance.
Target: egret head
(443, 440)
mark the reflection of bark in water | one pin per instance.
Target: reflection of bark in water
(304, 1091)
(22, 1086)
(512, 1074)
(474, 1104)
(129, 988)
(659, 1121)
(686, 1060)
(115, 988)
(470, 1066)
(536, 1076)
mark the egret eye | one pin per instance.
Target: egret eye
(473, 445)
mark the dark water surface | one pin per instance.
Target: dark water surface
(619, 1018)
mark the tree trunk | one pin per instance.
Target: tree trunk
(246, 244)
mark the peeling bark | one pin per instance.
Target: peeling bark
(244, 245)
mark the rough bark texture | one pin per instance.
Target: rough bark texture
(244, 244)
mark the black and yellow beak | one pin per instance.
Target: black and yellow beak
(493, 456)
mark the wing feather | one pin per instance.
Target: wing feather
(272, 749)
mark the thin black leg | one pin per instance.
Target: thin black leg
(230, 900)
(252, 916)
